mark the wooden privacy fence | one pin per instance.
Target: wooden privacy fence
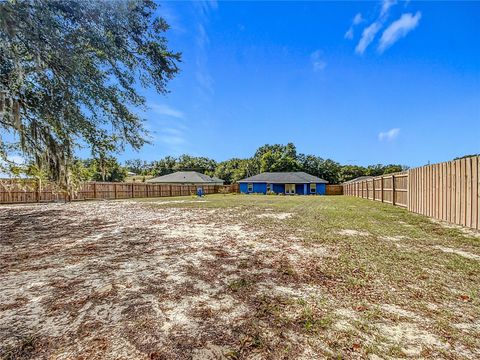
(334, 190)
(28, 191)
(392, 189)
(449, 191)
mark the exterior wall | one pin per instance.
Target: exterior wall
(299, 189)
(257, 188)
(261, 188)
(321, 189)
(279, 188)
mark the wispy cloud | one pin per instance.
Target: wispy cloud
(162, 109)
(172, 18)
(386, 5)
(168, 131)
(398, 29)
(317, 62)
(389, 135)
(356, 20)
(368, 35)
(205, 81)
(349, 34)
(370, 31)
(172, 137)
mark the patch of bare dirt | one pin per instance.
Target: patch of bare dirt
(465, 254)
(277, 216)
(351, 232)
(130, 280)
(465, 230)
(411, 339)
(394, 238)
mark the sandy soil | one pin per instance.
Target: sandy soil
(132, 280)
(124, 279)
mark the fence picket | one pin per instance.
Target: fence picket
(448, 191)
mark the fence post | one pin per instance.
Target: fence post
(37, 191)
(115, 190)
(393, 189)
(132, 191)
(381, 188)
(146, 189)
(373, 188)
(95, 190)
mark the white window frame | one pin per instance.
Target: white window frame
(250, 187)
(314, 186)
(291, 187)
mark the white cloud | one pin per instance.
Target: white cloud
(317, 62)
(357, 19)
(162, 109)
(172, 137)
(349, 34)
(389, 135)
(386, 5)
(398, 29)
(172, 140)
(205, 82)
(368, 35)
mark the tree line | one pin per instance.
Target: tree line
(267, 158)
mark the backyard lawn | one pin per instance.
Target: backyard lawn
(235, 276)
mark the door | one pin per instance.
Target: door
(290, 189)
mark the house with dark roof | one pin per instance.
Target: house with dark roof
(186, 178)
(289, 183)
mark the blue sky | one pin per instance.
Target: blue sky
(358, 82)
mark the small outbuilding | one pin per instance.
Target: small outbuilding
(289, 183)
(186, 178)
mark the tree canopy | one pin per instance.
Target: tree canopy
(267, 158)
(69, 74)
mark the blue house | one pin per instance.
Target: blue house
(289, 183)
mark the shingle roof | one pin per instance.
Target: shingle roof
(359, 179)
(299, 177)
(217, 179)
(186, 177)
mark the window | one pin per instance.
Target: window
(250, 187)
(269, 187)
(313, 188)
(289, 188)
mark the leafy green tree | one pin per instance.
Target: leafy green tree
(466, 156)
(350, 172)
(191, 163)
(234, 169)
(163, 166)
(69, 72)
(138, 166)
(274, 158)
(105, 169)
(393, 168)
(323, 168)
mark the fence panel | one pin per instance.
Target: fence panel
(27, 191)
(334, 190)
(448, 191)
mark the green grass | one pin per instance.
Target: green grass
(393, 259)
